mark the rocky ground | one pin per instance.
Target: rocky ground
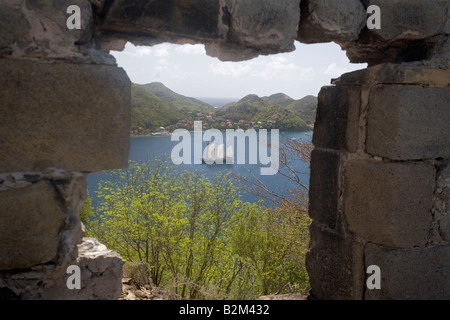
(133, 291)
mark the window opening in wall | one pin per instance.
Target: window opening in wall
(222, 230)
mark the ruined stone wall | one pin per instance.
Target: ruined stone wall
(377, 185)
(380, 176)
(64, 112)
(382, 147)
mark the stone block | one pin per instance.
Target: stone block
(14, 27)
(49, 22)
(231, 30)
(168, 20)
(69, 116)
(38, 28)
(335, 266)
(439, 54)
(441, 202)
(412, 274)
(74, 195)
(255, 27)
(410, 19)
(324, 187)
(100, 275)
(326, 21)
(408, 122)
(31, 219)
(389, 203)
(337, 119)
(388, 73)
(408, 30)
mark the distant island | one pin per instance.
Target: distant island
(158, 110)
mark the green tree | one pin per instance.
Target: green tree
(196, 238)
(176, 225)
(275, 240)
(86, 213)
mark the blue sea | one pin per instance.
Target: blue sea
(149, 148)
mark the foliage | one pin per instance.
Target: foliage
(154, 106)
(274, 242)
(178, 100)
(289, 114)
(87, 212)
(196, 237)
(305, 108)
(277, 240)
(150, 112)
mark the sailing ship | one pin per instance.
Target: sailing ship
(215, 153)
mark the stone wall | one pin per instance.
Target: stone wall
(65, 109)
(380, 176)
(377, 185)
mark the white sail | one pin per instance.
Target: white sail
(230, 155)
(216, 154)
(220, 151)
(212, 151)
(210, 155)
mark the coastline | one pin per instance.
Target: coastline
(221, 130)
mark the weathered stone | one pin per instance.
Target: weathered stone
(444, 227)
(407, 122)
(49, 22)
(389, 203)
(408, 30)
(231, 30)
(405, 19)
(326, 21)
(256, 27)
(40, 127)
(439, 54)
(337, 119)
(14, 28)
(335, 266)
(413, 274)
(74, 195)
(68, 194)
(442, 202)
(165, 20)
(98, 3)
(100, 277)
(38, 29)
(388, 73)
(31, 219)
(324, 187)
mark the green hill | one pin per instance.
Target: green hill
(154, 106)
(306, 108)
(150, 112)
(279, 99)
(177, 100)
(284, 112)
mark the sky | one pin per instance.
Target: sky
(187, 70)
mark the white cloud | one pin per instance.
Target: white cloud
(191, 49)
(162, 51)
(335, 70)
(139, 52)
(159, 51)
(232, 69)
(188, 69)
(281, 64)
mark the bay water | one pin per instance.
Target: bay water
(147, 148)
